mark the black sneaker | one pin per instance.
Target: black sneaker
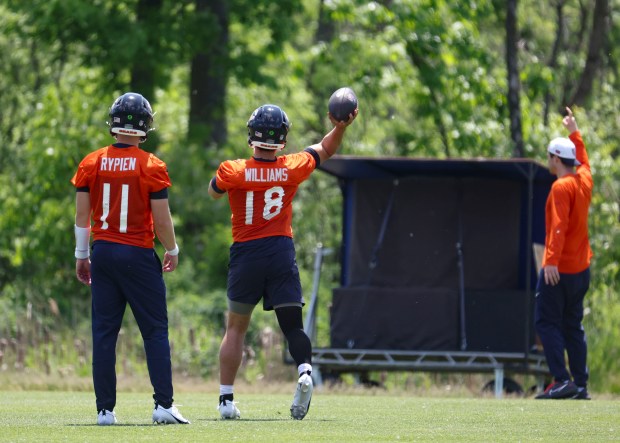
(582, 394)
(559, 390)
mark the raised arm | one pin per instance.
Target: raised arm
(570, 124)
(569, 121)
(333, 139)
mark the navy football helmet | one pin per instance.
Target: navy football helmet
(267, 128)
(131, 114)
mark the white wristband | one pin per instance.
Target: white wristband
(174, 251)
(82, 242)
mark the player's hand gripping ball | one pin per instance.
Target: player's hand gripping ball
(342, 103)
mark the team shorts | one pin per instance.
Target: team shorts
(264, 269)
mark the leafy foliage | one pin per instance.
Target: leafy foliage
(431, 79)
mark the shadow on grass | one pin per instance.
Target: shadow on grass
(117, 425)
(241, 420)
(204, 420)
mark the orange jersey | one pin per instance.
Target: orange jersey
(260, 193)
(120, 181)
(566, 216)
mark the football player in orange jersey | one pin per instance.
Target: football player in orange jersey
(262, 257)
(565, 275)
(123, 191)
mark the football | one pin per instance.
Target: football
(342, 103)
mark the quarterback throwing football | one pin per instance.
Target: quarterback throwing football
(262, 257)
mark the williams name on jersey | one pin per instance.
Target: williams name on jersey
(266, 175)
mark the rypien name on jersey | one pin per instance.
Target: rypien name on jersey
(118, 164)
(266, 175)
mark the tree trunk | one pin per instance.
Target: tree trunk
(326, 29)
(142, 71)
(207, 111)
(514, 84)
(426, 72)
(325, 32)
(148, 13)
(598, 41)
(559, 8)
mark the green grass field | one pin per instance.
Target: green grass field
(40, 416)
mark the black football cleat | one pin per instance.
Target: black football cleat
(559, 391)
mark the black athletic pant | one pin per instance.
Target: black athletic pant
(122, 275)
(558, 316)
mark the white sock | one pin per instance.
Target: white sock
(226, 389)
(303, 368)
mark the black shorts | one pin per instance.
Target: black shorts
(264, 269)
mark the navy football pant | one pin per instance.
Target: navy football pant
(123, 274)
(558, 316)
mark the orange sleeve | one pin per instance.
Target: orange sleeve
(580, 150)
(558, 210)
(86, 171)
(301, 165)
(80, 179)
(227, 175)
(583, 170)
(157, 174)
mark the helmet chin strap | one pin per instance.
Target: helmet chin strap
(268, 146)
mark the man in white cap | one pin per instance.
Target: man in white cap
(565, 275)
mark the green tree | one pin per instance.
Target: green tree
(431, 77)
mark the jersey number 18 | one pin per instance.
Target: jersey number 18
(273, 199)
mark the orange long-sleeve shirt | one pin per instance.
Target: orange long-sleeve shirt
(567, 245)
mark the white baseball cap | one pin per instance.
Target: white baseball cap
(564, 148)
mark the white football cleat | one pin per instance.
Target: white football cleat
(228, 410)
(170, 416)
(106, 418)
(303, 395)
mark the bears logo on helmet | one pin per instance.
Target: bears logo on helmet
(267, 127)
(131, 114)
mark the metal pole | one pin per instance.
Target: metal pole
(461, 266)
(528, 260)
(310, 323)
(499, 382)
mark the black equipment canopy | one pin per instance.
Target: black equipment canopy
(438, 254)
